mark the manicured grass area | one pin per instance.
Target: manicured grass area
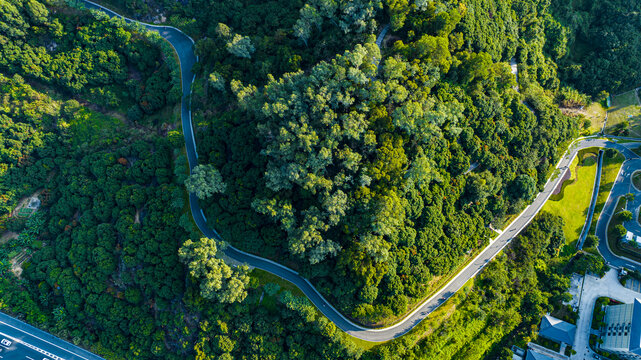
(625, 107)
(573, 201)
(570, 180)
(595, 112)
(609, 174)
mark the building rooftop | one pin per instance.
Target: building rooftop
(623, 328)
(557, 330)
(538, 352)
(635, 332)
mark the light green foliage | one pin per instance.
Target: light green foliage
(310, 19)
(625, 215)
(236, 45)
(205, 181)
(240, 46)
(217, 81)
(217, 279)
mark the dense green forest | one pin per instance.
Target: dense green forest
(100, 261)
(603, 44)
(374, 172)
(354, 171)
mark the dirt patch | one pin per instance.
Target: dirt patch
(389, 40)
(16, 263)
(24, 202)
(137, 217)
(559, 187)
(574, 111)
(7, 236)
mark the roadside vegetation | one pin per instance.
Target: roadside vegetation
(624, 116)
(491, 315)
(612, 161)
(595, 113)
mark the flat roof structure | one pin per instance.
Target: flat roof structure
(622, 332)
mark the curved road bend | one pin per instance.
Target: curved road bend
(622, 186)
(184, 48)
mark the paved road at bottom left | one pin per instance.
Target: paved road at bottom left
(19, 340)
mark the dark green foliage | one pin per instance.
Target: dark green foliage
(355, 174)
(102, 263)
(80, 54)
(604, 47)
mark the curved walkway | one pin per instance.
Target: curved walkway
(184, 48)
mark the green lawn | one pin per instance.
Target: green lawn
(609, 174)
(625, 107)
(596, 114)
(265, 277)
(574, 200)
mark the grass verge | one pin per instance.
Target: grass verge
(624, 108)
(574, 200)
(434, 286)
(596, 114)
(609, 172)
(262, 277)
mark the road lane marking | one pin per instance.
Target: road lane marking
(41, 339)
(33, 347)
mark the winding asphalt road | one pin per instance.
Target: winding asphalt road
(622, 186)
(184, 48)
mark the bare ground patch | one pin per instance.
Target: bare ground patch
(7, 236)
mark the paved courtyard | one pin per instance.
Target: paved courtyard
(593, 288)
